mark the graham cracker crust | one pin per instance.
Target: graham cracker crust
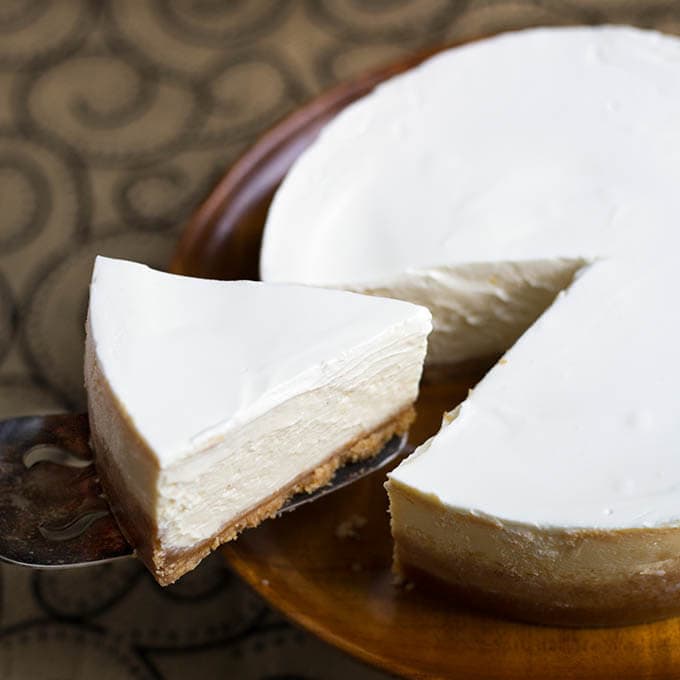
(168, 565)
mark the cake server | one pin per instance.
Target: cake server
(53, 512)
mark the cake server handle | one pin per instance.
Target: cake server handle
(52, 509)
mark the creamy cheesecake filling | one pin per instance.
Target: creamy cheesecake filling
(211, 402)
(479, 309)
(364, 390)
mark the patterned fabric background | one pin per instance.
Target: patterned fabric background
(116, 118)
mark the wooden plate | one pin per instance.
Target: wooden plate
(340, 587)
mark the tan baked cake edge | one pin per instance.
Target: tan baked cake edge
(575, 577)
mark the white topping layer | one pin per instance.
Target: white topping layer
(557, 145)
(577, 426)
(541, 143)
(238, 388)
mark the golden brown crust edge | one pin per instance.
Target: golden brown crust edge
(168, 566)
(566, 578)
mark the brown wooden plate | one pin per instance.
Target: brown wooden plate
(339, 586)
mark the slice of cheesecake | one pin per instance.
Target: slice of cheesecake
(212, 402)
(481, 184)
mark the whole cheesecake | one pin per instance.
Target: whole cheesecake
(524, 188)
(212, 402)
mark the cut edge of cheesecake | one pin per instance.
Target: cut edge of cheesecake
(479, 309)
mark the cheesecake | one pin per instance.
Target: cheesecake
(524, 188)
(212, 402)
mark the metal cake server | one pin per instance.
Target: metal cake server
(53, 512)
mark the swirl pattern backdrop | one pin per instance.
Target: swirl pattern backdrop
(116, 118)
